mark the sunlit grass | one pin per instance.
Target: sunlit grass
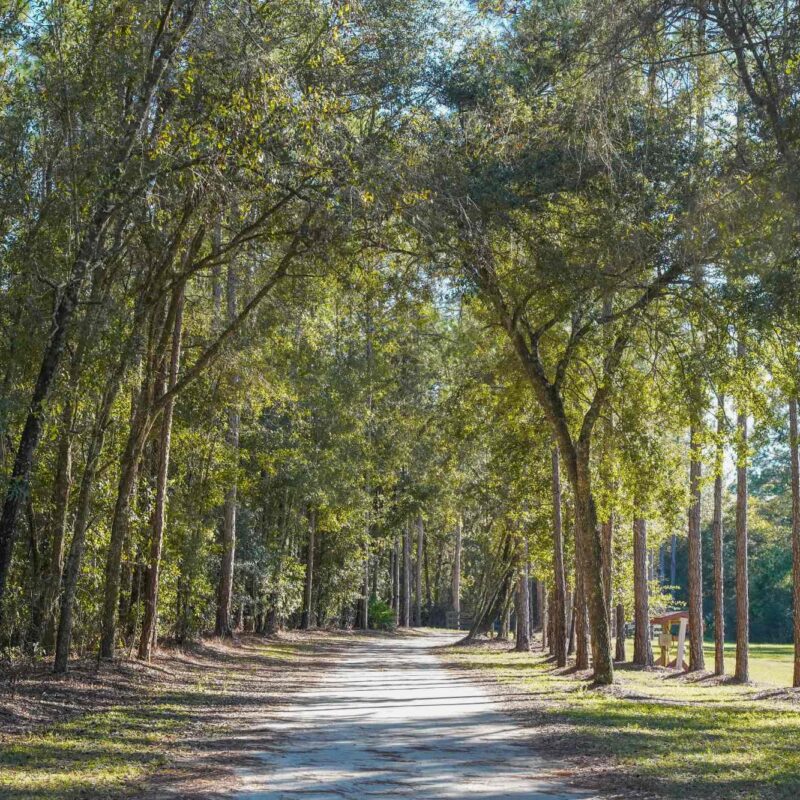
(99, 751)
(770, 664)
(668, 734)
(105, 754)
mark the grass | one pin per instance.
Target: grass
(101, 752)
(657, 732)
(770, 664)
(113, 742)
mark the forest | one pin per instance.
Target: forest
(392, 314)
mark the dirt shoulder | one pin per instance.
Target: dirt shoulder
(178, 726)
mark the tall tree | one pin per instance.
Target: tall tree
(149, 624)
(642, 650)
(223, 625)
(718, 548)
(794, 442)
(559, 606)
(742, 672)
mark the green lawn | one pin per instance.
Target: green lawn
(771, 664)
(659, 732)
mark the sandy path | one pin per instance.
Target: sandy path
(388, 720)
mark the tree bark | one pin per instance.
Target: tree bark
(307, 620)
(405, 615)
(522, 607)
(588, 549)
(545, 614)
(130, 352)
(620, 649)
(129, 466)
(418, 573)
(456, 585)
(559, 609)
(795, 465)
(642, 649)
(607, 533)
(223, 625)
(581, 626)
(365, 593)
(695, 556)
(149, 623)
(81, 523)
(719, 556)
(58, 521)
(742, 672)
(396, 581)
(505, 623)
(570, 616)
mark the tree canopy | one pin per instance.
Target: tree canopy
(379, 313)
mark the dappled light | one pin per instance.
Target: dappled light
(399, 398)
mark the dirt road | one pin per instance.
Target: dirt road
(386, 721)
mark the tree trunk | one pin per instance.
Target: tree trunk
(588, 549)
(695, 557)
(225, 588)
(642, 649)
(129, 464)
(306, 620)
(719, 556)
(19, 480)
(149, 623)
(114, 185)
(673, 560)
(495, 600)
(795, 462)
(223, 625)
(742, 583)
(80, 525)
(456, 585)
(581, 626)
(620, 649)
(365, 594)
(47, 604)
(405, 616)
(418, 587)
(559, 579)
(160, 325)
(522, 613)
(570, 612)
(81, 522)
(505, 623)
(607, 533)
(58, 521)
(396, 581)
(545, 614)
